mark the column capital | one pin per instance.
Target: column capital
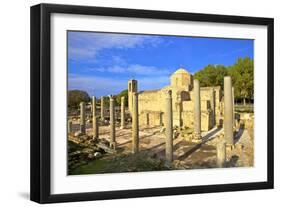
(111, 97)
(227, 78)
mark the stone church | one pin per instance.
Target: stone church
(152, 106)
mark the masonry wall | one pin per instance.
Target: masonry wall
(151, 107)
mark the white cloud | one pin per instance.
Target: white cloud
(134, 69)
(100, 86)
(83, 45)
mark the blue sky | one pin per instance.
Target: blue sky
(102, 63)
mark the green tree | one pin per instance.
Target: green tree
(242, 74)
(77, 96)
(120, 95)
(211, 75)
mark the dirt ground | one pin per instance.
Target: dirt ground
(187, 154)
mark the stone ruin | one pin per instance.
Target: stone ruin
(151, 103)
(182, 104)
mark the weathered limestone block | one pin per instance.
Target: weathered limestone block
(188, 119)
(151, 118)
(150, 101)
(206, 117)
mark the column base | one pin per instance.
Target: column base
(112, 145)
(197, 138)
(95, 137)
(168, 164)
(221, 165)
(83, 129)
(135, 151)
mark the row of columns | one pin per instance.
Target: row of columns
(135, 127)
(228, 120)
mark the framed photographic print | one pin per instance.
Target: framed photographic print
(133, 103)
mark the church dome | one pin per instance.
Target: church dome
(181, 71)
(181, 79)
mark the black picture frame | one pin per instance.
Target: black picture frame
(41, 98)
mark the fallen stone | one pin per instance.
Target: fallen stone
(77, 134)
(162, 129)
(97, 154)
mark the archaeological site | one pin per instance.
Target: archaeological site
(182, 126)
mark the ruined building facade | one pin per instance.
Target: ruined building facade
(151, 103)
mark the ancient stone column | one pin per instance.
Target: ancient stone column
(95, 127)
(102, 108)
(112, 123)
(169, 126)
(197, 111)
(69, 126)
(213, 106)
(82, 118)
(132, 88)
(94, 107)
(178, 114)
(228, 111)
(135, 124)
(94, 119)
(221, 154)
(232, 90)
(122, 112)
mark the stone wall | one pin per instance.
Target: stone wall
(151, 118)
(151, 101)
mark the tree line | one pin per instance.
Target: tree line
(77, 96)
(241, 72)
